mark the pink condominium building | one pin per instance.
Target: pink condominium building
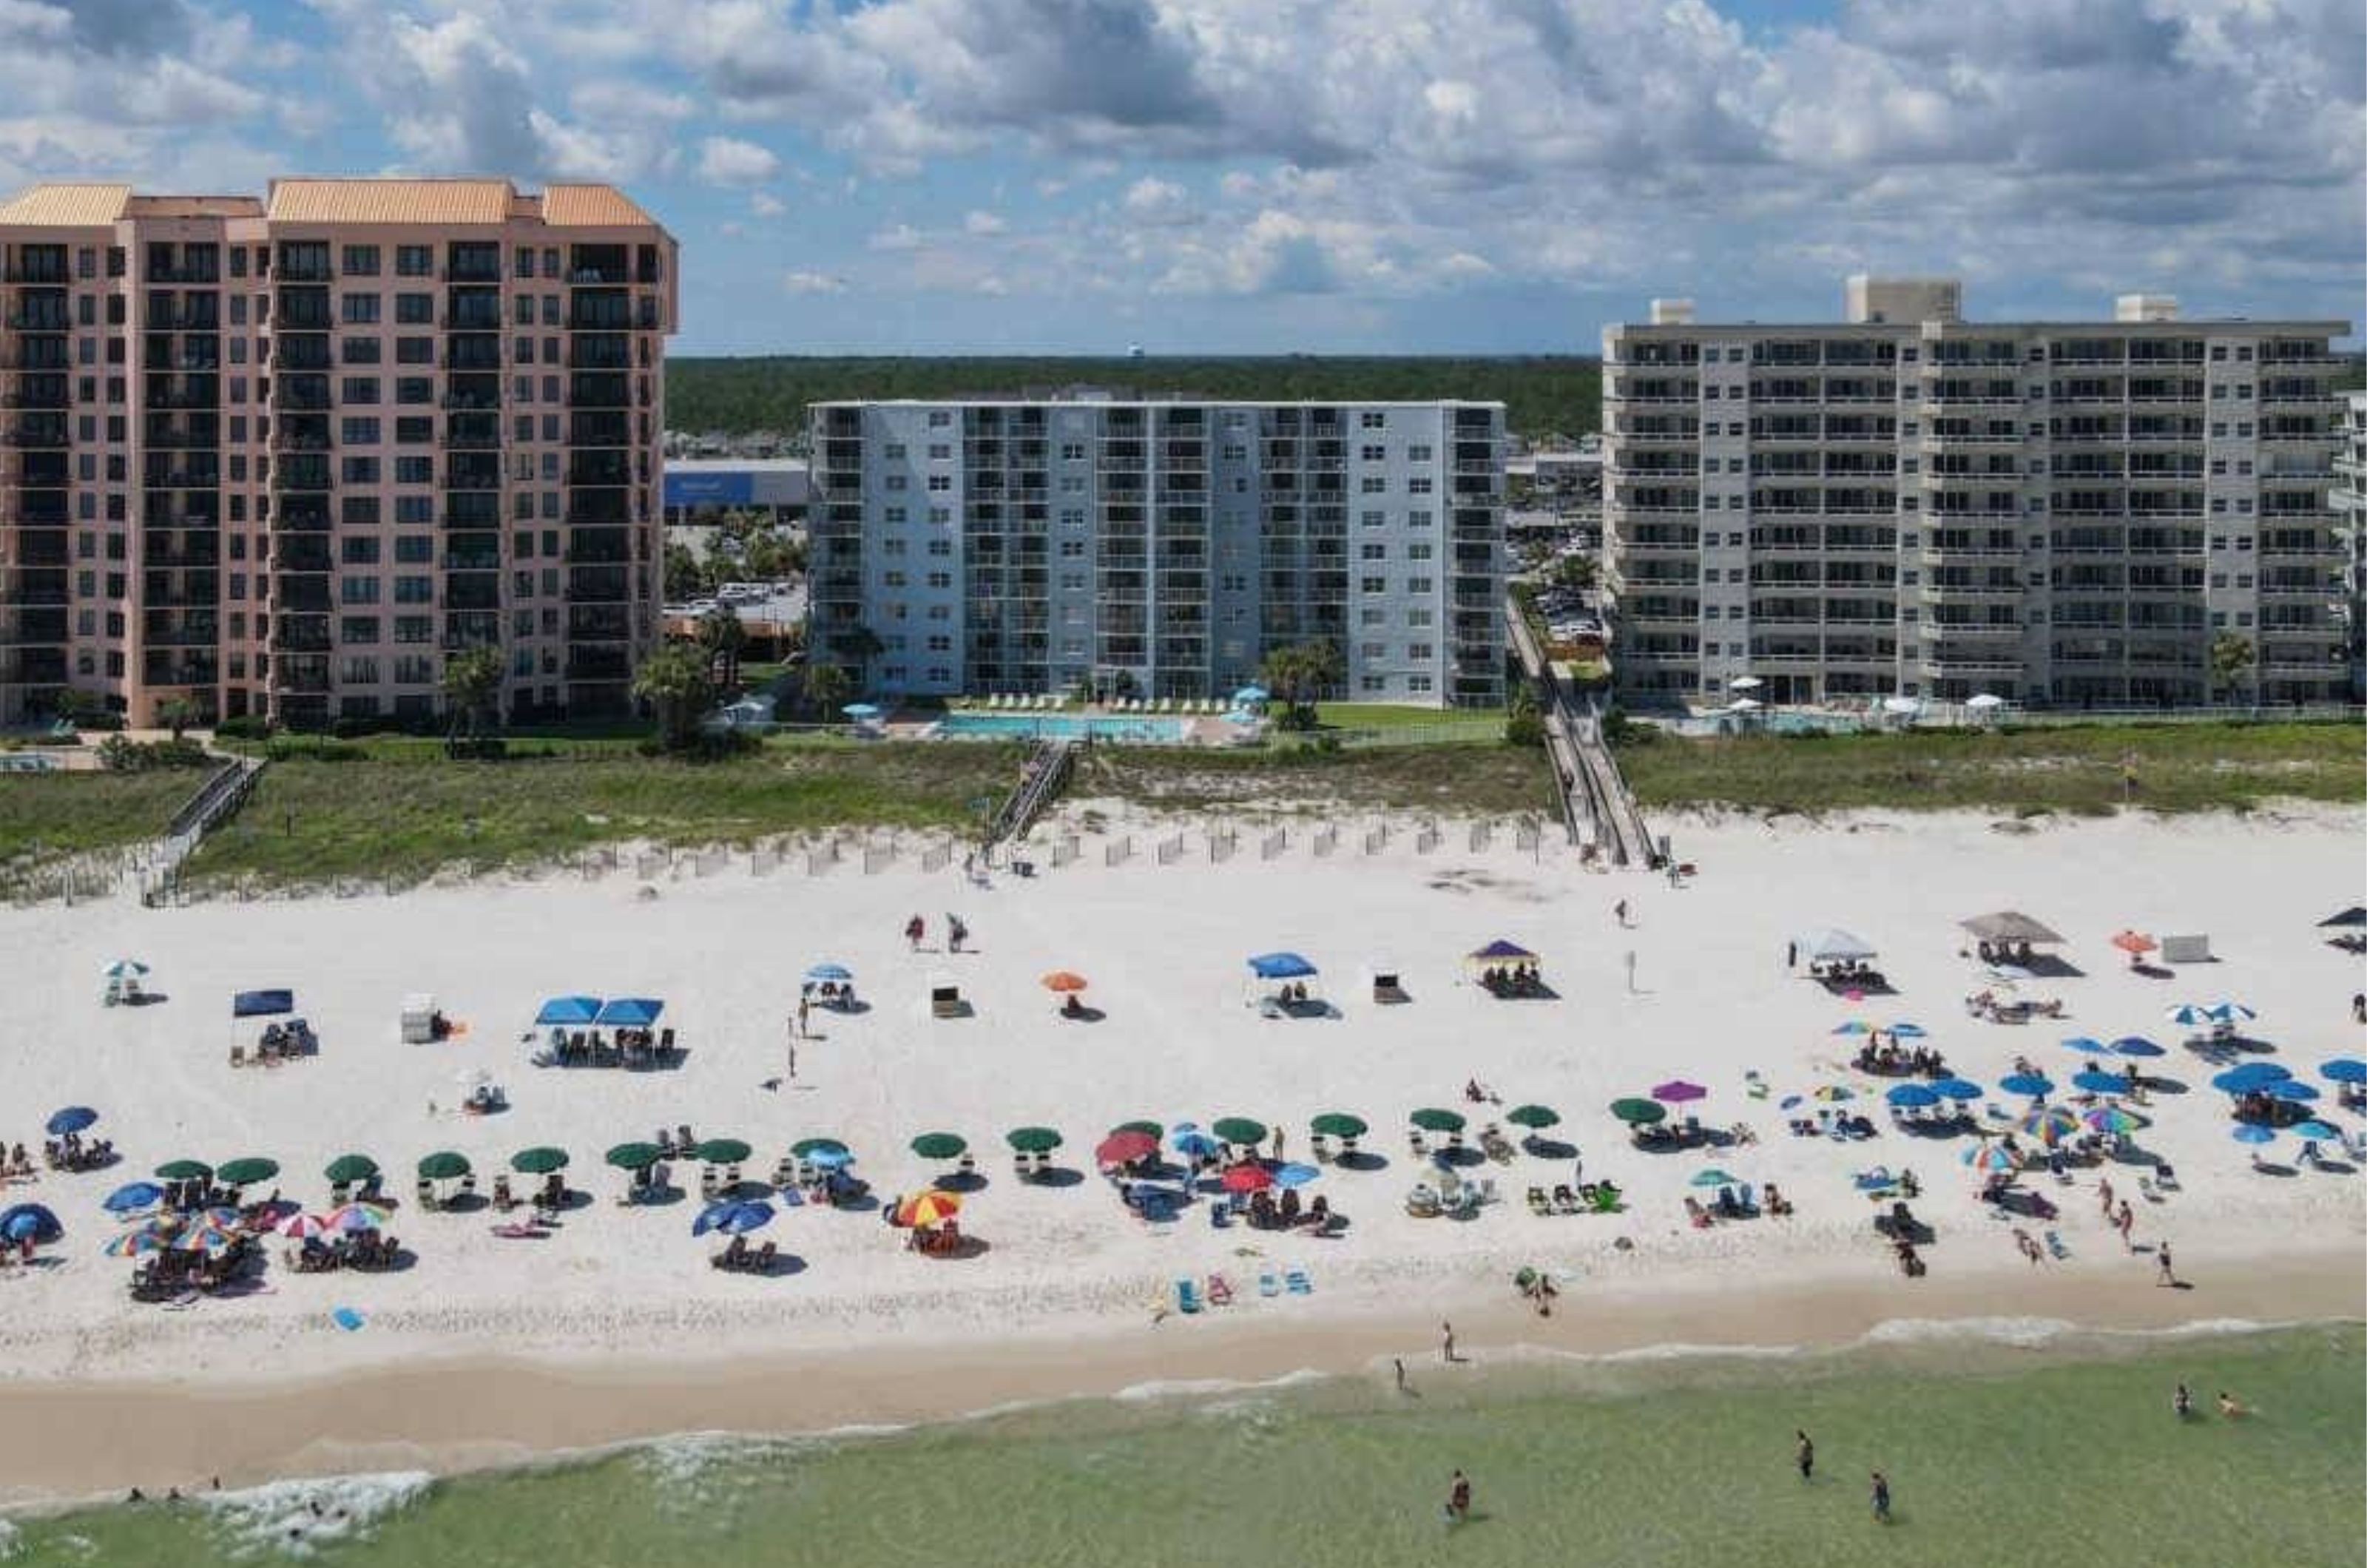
(283, 456)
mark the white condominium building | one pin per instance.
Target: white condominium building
(1907, 503)
(1161, 547)
(2351, 527)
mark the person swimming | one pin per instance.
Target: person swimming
(2181, 1403)
(2230, 1406)
(1458, 1497)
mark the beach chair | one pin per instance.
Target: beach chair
(1564, 1200)
(1187, 1296)
(1347, 1148)
(238, 1056)
(731, 1179)
(1269, 1283)
(1219, 1290)
(1538, 1203)
(339, 1192)
(966, 1164)
(1296, 1283)
(425, 1194)
(468, 1185)
(1322, 1147)
(1414, 1143)
(709, 1182)
(784, 1173)
(1747, 1196)
(502, 1198)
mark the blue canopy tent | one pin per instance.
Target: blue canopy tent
(1280, 966)
(262, 1004)
(1503, 952)
(629, 1012)
(564, 1011)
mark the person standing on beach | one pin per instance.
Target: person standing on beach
(1806, 1455)
(805, 1015)
(2126, 1221)
(1881, 1498)
(2165, 1273)
(1398, 1361)
(1620, 910)
(1446, 1341)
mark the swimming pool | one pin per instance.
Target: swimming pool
(1129, 729)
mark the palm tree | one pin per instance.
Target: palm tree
(673, 680)
(2231, 661)
(827, 687)
(722, 636)
(176, 714)
(472, 688)
(862, 644)
(1300, 672)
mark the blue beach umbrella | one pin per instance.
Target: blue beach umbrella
(2291, 1089)
(2135, 1045)
(1911, 1094)
(73, 1119)
(1193, 1141)
(2344, 1069)
(1293, 1175)
(1909, 1030)
(2100, 1083)
(30, 1222)
(830, 1159)
(1280, 966)
(2253, 1132)
(2085, 1046)
(829, 972)
(2249, 1078)
(2190, 1015)
(629, 1012)
(2027, 1083)
(2314, 1129)
(565, 1012)
(1854, 1026)
(732, 1218)
(133, 1196)
(2229, 1012)
(1957, 1089)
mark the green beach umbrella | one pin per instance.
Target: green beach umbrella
(1033, 1140)
(939, 1145)
(1638, 1113)
(806, 1148)
(184, 1170)
(1432, 1119)
(635, 1157)
(1713, 1177)
(351, 1169)
(244, 1172)
(442, 1166)
(1338, 1124)
(1239, 1130)
(1148, 1129)
(722, 1151)
(539, 1161)
(1537, 1116)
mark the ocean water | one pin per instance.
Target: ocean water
(2015, 1443)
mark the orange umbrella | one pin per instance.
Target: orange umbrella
(1064, 980)
(2134, 943)
(928, 1208)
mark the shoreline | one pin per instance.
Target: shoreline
(72, 1443)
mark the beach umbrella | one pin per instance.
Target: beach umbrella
(443, 1166)
(2291, 1089)
(1911, 1094)
(2027, 1083)
(2314, 1129)
(2230, 1012)
(1430, 1119)
(248, 1171)
(73, 1119)
(30, 1222)
(1957, 1089)
(2100, 1083)
(1293, 1175)
(1033, 1140)
(2085, 1046)
(931, 1207)
(1124, 1148)
(807, 1148)
(2133, 943)
(1677, 1092)
(733, 1218)
(1990, 1158)
(1249, 1176)
(1239, 1129)
(939, 1145)
(135, 1244)
(1144, 1125)
(303, 1227)
(202, 1239)
(2189, 1015)
(2113, 1119)
(132, 969)
(629, 1012)
(1638, 1113)
(1194, 1144)
(1854, 1026)
(2135, 1045)
(1713, 1177)
(1834, 1093)
(722, 1151)
(1909, 1030)
(1064, 980)
(2250, 1076)
(568, 1011)
(834, 972)
(830, 1158)
(861, 710)
(2008, 974)
(184, 1170)
(1338, 1124)
(2349, 920)
(349, 1168)
(634, 1156)
(1538, 1117)
(2253, 1132)
(540, 1160)
(132, 1197)
(349, 1218)
(2343, 1069)
(2050, 1125)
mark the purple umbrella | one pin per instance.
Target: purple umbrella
(1677, 1092)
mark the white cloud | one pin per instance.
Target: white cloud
(1156, 201)
(982, 223)
(727, 161)
(812, 283)
(765, 204)
(898, 237)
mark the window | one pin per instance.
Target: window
(1371, 616)
(414, 351)
(357, 590)
(1374, 551)
(1419, 484)
(939, 419)
(941, 579)
(1419, 550)
(415, 309)
(1372, 419)
(940, 451)
(414, 549)
(359, 310)
(893, 452)
(941, 482)
(360, 470)
(1418, 453)
(897, 481)
(359, 390)
(1419, 652)
(361, 261)
(1421, 584)
(415, 590)
(1373, 452)
(361, 629)
(415, 261)
(1374, 519)
(1372, 484)
(1074, 451)
(1373, 585)
(355, 351)
(414, 628)
(1369, 651)
(357, 432)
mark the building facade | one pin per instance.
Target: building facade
(1159, 548)
(281, 456)
(1909, 503)
(2350, 502)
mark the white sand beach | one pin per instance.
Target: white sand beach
(617, 1287)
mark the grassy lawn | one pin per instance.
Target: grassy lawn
(1399, 716)
(398, 807)
(45, 816)
(1480, 779)
(2177, 767)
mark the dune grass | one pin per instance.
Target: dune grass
(45, 817)
(2079, 769)
(1481, 779)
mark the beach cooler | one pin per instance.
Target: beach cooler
(945, 1001)
(418, 1020)
(2185, 950)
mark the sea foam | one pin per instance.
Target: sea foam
(298, 1518)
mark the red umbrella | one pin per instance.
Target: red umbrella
(1124, 1148)
(1248, 1178)
(2134, 943)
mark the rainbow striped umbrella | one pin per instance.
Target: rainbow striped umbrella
(303, 1227)
(135, 1242)
(2113, 1119)
(2050, 1125)
(928, 1208)
(204, 1239)
(1991, 1160)
(351, 1217)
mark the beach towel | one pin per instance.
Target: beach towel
(346, 1318)
(1299, 1283)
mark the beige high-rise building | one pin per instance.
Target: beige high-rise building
(282, 457)
(1908, 504)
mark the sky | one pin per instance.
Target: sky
(1081, 177)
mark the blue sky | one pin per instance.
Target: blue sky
(1279, 175)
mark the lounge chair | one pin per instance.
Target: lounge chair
(1565, 1201)
(1538, 1203)
(468, 1185)
(425, 1194)
(784, 1173)
(502, 1198)
(1187, 1296)
(709, 1183)
(966, 1164)
(238, 1056)
(1219, 1290)
(1322, 1147)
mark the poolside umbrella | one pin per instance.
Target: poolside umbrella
(2100, 1083)
(2251, 1075)
(722, 1151)
(73, 1119)
(2291, 1089)
(135, 1244)
(1914, 1095)
(2050, 1125)
(2344, 1069)
(1638, 1113)
(807, 1148)
(443, 1166)
(1247, 1177)
(861, 710)
(349, 1218)
(2113, 1119)
(1033, 1140)
(2027, 1083)
(1063, 981)
(2190, 1015)
(635, 1156)
(1430, 1119)
(1538, 1117)
(940, 1146)
(2230, 1012)
(1713, 1177)
(1194, 1143)
(246, 1172)
(1338, 1124)
(928, 1208)
(2135, 1045)
(2253, 1132)
(1990, 1158)
(132, 1197)
(1239, 1129)
(735, 1218)
(2314, 1129)
(184, 1170)
(568, 1011)
(540, 1160)
(834, 972)
(302, 1226)
(1293, 1175)
(1250, 695)
(2133, 943)
(1124, 1148)
(30, 1222)
(132, 969)
(1957, 1089)
(350, 1168)
(1677, 1092)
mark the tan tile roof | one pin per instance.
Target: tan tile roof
(193, 206)
(390, 201)
(591, 206)
(67, 205)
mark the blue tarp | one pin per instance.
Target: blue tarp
(569, 1010)
(1280, 966)
(630, 1012)
(262, 1004)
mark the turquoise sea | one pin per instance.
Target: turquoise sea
(2003, 1447)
